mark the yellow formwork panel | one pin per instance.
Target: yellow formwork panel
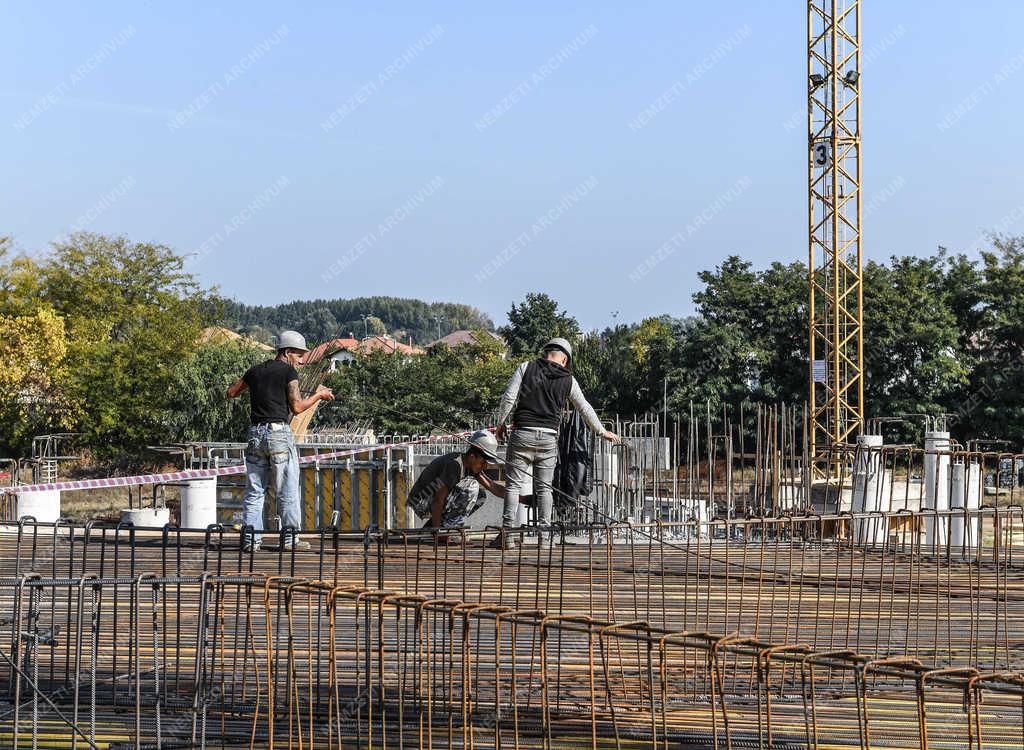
(309, 497)
(362, 489)
(345, 499)
(401, 494)
(382, 505)
(327, 477)
(324, 488)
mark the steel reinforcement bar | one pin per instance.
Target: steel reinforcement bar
(796, 579)
(276, 661)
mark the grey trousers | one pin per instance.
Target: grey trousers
(530, 453)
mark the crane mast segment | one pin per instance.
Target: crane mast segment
(836, 305)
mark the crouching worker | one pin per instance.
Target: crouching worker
(454, 486)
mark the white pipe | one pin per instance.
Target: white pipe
(965, 492)
(870, 490)
(957, 487)
(972, 497)
(936, 485)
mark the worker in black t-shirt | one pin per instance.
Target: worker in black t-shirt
(270, 453)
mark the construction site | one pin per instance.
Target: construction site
(785, 576)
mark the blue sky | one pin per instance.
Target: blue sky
(209, 128)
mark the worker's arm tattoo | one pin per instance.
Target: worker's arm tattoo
(294, 396)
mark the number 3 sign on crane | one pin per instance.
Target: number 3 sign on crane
(820, 153)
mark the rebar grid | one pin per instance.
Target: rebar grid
(264, 661)
(779, 631)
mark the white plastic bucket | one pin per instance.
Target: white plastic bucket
(158, 517)
(199, 503)
(43, 505)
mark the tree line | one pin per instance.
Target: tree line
(944, 336)
(323, 319)
(101, 335)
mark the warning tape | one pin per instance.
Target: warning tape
(219, 471)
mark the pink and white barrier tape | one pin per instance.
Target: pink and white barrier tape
(220, 471)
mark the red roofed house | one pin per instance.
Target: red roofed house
(466, 337)
(388, 345)
(340, 352)
(343, 351)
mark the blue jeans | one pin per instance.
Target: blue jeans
(531, 453)
(271, 456)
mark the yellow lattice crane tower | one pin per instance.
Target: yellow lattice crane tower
(836, 312)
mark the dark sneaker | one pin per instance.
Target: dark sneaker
(502, 541)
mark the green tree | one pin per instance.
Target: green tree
(911, 336)
(21, 291)
(33, 357)
(533, 322)
(654, 350)
(322, 319)
(718, 363)
(197, 407)
(962, 280)
(445, 389)
(320, 322)
(990, 405)
(590, 366)
(132, 315)
(624, 369)
(749, 341)
(33, 363)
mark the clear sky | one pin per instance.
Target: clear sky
(411, 149)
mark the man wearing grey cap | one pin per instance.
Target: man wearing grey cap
(534, 398)
(270, 452)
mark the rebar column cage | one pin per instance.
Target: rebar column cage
(836, 309)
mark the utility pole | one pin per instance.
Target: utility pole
(366, 332)
(835, 275)
(664, 404)
(438, 319)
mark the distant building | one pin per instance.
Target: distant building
(465, 337)
(218, 335)
(384, 343)
(342, 352)
(339, 351)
